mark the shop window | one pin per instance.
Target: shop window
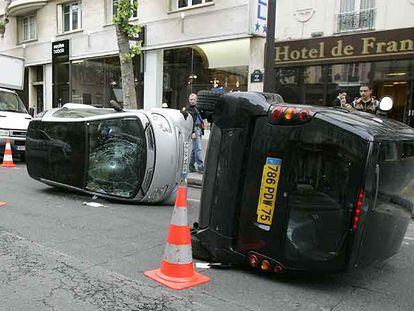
(356, 15)
(188, 70)
(70, 17)
(113, 8)
(27, 28)
(181, 4)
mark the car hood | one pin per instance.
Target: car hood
(14, 120)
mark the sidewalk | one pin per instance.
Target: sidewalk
(196, 179)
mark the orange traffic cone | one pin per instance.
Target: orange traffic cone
(177, 267)
(8, 157)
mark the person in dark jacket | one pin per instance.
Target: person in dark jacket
(196, 136)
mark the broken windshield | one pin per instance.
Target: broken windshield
(11, 102)
(117, 156)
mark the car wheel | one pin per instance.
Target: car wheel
(206, 102)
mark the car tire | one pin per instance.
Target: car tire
(206, 102)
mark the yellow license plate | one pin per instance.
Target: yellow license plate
(268, 192)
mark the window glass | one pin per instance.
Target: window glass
(32, 27)
(396, 178)
(367, 4)
(347, 6)
(187, 70)
(11, 102)
(71, 16)
(75, 15)
(324, 179)
(114, 7)
(182, 3)
(66, 18)
(117, 157)
(59, 150)
(188, 3)
(27, 28)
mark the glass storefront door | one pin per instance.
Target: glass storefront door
(189, 70)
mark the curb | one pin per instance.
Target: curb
(195, 180)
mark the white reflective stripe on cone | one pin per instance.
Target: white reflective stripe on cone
(178, 254)
(7, 158)
(179, 217)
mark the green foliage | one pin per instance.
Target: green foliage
(133, 51)
(125, 11)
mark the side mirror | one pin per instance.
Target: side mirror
(386, 103)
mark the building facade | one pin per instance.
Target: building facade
(321, 49)
(71, 51)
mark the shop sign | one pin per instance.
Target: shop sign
(256, 76)
(60, 48)
(258, 17)
(140, 36)
(380, 45)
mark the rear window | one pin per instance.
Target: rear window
(327, 168)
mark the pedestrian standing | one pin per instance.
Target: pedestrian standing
(196, 135)
(366, 102)
(341, 100)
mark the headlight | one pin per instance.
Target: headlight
(4, 133)
(161, 122)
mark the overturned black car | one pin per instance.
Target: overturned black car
(292, 187)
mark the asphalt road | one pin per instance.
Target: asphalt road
(58, 254)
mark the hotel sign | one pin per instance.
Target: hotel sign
(380, 45)
(258, 17)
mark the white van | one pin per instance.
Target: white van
(14, 119)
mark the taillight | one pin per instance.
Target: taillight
(289, 115)
(265, 266)
(277, 113)
(264, 263)
(278, 269)
(304, 115)
(253, 261)
(358, 209)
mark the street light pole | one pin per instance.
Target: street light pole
(269, 83)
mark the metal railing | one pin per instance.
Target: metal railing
(356, 21)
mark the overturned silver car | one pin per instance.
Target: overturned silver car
(132, 155)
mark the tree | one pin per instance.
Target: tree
(5, 18)
(124, 30)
